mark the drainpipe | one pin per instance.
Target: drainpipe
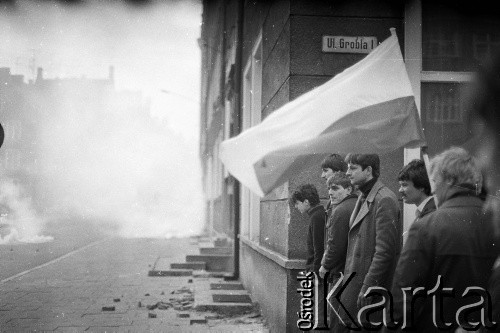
(236, 184)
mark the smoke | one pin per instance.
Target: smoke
(121, 165)
(20, 220)
(105, 155)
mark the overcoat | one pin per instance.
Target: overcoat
(453, 247)
(337, 229)
(374, 244)
(315, 238)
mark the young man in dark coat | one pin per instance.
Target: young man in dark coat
(306, 200)
(374, 239)
(452, 247)
(340, 192)
(415, 188)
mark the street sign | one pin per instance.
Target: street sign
(348, 44)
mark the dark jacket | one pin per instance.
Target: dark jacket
(337, 229)
(315, 238)
(429, 207)
(455, 242)
(374, 244)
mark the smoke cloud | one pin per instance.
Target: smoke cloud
(133, 162)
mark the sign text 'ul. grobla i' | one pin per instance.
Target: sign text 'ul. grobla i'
(348, 44)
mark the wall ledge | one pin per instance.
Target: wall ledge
(274, 256)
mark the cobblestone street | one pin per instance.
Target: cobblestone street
(105, 287)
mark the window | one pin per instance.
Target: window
(456, 39)
(444, 45)
(252, 114)
(443, 103)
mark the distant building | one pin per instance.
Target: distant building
(27, 109)
(18, 117)
(259, 55)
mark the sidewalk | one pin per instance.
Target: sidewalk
(106, 288)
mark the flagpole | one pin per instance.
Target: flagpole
(428, 169)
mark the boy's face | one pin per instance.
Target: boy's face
(337, 193)
(326, 173)
(302, 206)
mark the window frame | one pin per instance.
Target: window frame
(251, 116)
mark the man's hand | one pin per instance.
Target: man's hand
(362, 300)
(322, 272)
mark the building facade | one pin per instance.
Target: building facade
(259, 55)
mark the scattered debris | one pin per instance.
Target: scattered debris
(198, 320)
(108, 308)
(184, 301)
(183, 290)
(163, 305)
(213, 316)
(247, 319)
(151, 307)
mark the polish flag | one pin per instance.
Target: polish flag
(368, 108)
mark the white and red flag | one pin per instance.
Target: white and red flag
(368, 108)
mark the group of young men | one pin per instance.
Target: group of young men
(428, 279)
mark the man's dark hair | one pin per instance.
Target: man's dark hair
(416, 173)
(335, 162)
(307, 191)
(365, 160)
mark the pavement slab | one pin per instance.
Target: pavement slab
(68, 295)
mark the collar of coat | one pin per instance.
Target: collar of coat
(352, 195)
(366, 188)
(311, 210)
(429, 207)
(364, 209)
(373, 192)
(460, 197)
